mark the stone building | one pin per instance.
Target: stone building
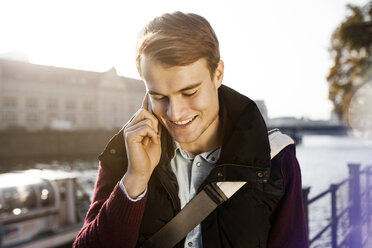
(37, 97)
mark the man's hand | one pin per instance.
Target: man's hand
(142, 142)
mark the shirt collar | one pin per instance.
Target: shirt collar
(210, 156)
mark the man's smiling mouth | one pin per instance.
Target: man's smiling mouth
(181, 123)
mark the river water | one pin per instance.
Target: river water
(323, 159)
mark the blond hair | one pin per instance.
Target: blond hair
(178, 39)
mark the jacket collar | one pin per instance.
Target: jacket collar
(245, 140)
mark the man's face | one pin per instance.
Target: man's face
(185, 99)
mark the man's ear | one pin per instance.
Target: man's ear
(218, 74)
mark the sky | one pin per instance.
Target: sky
(276, 51)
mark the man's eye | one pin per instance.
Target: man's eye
(159, 98)
(190, 94)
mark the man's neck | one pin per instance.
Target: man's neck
(208, 141)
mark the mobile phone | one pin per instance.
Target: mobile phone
(149, 106)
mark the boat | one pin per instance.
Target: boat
(41, 208)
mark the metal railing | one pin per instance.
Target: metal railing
(357, 211)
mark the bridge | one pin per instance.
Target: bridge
(297, 128)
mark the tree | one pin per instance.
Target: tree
(351, 50)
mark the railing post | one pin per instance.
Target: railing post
(368, 199)
(333, 189)
(305, 200)
(355, 216)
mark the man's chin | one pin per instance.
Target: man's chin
(184, 139)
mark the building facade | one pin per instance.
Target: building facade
(39, 97)
(263, 109)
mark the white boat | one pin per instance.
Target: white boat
(40, 208)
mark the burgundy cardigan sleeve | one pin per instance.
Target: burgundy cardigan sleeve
(112, 219)
(288, 222)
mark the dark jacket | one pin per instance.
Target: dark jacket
(247, 219)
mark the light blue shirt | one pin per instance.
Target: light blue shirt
(191, 171)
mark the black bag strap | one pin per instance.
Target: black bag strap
(205, 202)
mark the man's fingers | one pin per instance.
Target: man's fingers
(146, 122)
(146, 141)
(142, 115)
(145, 114)
(140, 124)
(141, 134)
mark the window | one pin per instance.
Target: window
(51, 117)
(10, 101)
(31, 102)
(62, 190)
(10, 117)
(32, 118)
(10, 200)
(45, 193)
(52, 103)
(27, 198)
(17, 200)
(70, 104)
(71, 118)
(88, 105)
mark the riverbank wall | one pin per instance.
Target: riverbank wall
(22, 144)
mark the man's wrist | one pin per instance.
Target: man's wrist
(134, 185)
(121, 185)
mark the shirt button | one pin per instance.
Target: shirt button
(189, 244)
(198, 164)
(112, 151)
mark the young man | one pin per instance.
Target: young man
(192, 131)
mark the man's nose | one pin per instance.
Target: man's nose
(175, 110)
